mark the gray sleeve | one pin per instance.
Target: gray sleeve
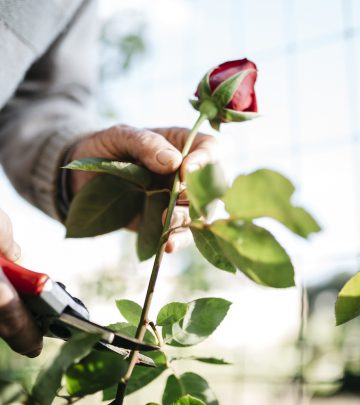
(52, 108)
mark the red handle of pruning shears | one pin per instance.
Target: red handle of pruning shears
(61, 315)
(24, 281)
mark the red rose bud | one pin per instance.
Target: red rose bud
(226, 93)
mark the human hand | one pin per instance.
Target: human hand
(17, 327)
(158, 150)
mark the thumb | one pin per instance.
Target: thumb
(124, 142)
(151, 149)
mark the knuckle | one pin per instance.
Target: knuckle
(176, 133)
(6, 233)
(120, 129)
(148, 143)
(142, 136)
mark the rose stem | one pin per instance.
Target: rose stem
(140, 332)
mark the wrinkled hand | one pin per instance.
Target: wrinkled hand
(158, 150)
(17, 327)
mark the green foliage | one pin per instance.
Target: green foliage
(11, 393)
(24, 376)
(103, 205)
(111, 201)
(128, 329)
(266, 193)
(49, 379)
(150, 227)
(171, 313)
(202, 317)
(135, 174)
(255, 252)
(188, 383)
(141, 376)
(130, 310)
(209, 247)
(211, 360)
(188, 400)
(204, 186)
(124, 190)
(347, 305)
(236, 242)
(94, 372)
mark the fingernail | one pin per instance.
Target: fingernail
(16, 252)
(192, 167)
(167, 156)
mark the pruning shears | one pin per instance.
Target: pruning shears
(60, 315)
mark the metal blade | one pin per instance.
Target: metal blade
(107, 335)
(142, 360)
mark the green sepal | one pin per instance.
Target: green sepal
(237, 116)
(215, 124)
(204, 89)
(195, 103)
(226, 90)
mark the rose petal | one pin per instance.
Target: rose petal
(244, 98)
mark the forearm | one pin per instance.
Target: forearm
(33, 146)
(51, 109)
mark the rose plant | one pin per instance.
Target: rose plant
(234, 243)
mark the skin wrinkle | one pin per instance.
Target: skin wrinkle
(104, 145)
(150, 142)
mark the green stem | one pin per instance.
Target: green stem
(140, 333)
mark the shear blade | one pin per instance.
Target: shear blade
(142, 360)
(107, 335)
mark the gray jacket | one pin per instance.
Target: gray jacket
(47, 79)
